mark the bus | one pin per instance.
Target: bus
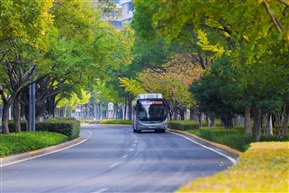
(150, 113)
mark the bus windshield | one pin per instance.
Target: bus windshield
(151, 110)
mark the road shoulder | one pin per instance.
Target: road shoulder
(223, 149)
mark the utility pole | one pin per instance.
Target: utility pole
(31, 124)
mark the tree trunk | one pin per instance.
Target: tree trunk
(192, 113)
(228, 123)
(182, 113)
(241, 120)
(94, 110)
(235, 119)
(257, 123)
(207, 121)
(115, 111)
(247, 120)
(269, 126)
(200, 119)
(16, 114)
(40, 109)
(5, 118)
(213, 122)
(285, 125)
(130, 108)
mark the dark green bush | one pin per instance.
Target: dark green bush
(207, 134)
(236, 141)
(67, 126)
(183, 125)
(210, 133)
(274, 138)
(14, 143)
(12, 126)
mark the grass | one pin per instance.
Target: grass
(15, 143)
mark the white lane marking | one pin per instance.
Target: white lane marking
(131, 149)
(135, 141)
(220, 153)
(101, 190)
(125, 156)
(134, 145)
(114, 164)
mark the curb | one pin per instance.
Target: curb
(12, 159)
(216, 146)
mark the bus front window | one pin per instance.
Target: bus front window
(152, 110)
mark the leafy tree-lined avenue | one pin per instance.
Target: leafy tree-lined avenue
(215, 58)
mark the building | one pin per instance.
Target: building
(123, 13)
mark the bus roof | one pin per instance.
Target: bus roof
(150, 96)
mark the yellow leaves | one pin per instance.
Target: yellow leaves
(246, 38)
(264, 167)
(132, 86)
(175, 81)
(75, 99)
(205, 45)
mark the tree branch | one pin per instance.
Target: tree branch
(274, 19)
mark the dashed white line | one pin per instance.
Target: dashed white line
(125, 156)
(114, 164)
(101, 190)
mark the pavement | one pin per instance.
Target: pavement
(218, 148)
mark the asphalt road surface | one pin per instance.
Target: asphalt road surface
(115, 159)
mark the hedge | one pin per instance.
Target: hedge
(15, 143)
(183, 125)
(262, 168)
(210, 133)
(67, 126)
(119, 121)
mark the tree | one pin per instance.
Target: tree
(23, 38)
(220, 31)
(174, 82)
(78, 51)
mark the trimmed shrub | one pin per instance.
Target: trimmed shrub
(183, 125)
(119, 121)
(12, 126)
(236, 141)
(67, 126)
(14, 143)
(210, 133)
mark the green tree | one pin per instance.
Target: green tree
(23, 40)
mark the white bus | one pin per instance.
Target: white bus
(150, 113)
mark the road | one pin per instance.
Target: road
(114, 159)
